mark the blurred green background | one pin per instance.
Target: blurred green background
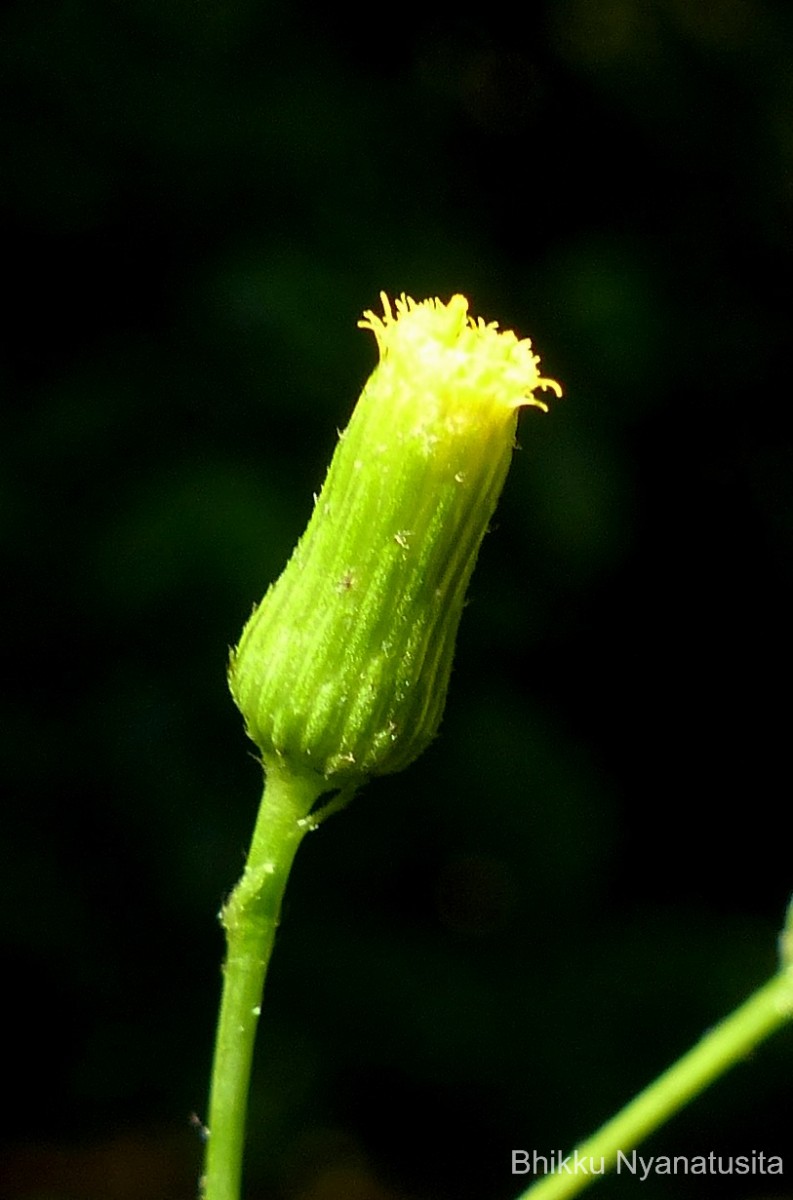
(590, 866)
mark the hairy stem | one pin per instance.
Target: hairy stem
(250, 919)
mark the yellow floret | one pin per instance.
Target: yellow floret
(435, 341)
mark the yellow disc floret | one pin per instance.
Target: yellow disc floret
(432, 341)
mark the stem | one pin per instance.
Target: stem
(250, 919)
(761, 1015)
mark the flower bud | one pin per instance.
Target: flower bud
(343, 668)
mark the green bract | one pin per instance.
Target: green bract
(343, 668)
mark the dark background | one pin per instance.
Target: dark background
(590, 866)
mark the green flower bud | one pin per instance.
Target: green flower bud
(343, 668)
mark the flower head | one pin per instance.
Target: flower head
(342, 670)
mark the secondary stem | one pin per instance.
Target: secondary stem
(250, 919)
(761, 1015)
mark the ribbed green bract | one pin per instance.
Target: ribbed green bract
(343, 669)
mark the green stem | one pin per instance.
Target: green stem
(767, 1010)
(250, 919)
